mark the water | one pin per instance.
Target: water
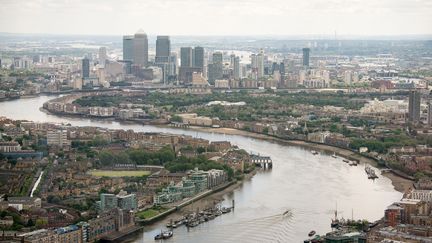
(308, 186)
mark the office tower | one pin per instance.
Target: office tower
(85, 67)
(237, 68)
(163, 49)
(102, 55)
(414, 106)
(140, 51)
(186, 57)
(282, 68)
(218, 58)
(215, 69)
(172, 65)
(232, 60)
(306, 52)
(260, 64)
(128, 48)
(198, 58)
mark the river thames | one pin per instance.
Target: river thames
(308, 186)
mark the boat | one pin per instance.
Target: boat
(335, 221)
(164, 235)
(193, 223)
(334, 155)
(225, 210)
(345, 160)
(311, 233)
(314, 152)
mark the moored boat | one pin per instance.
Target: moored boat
(311, 233)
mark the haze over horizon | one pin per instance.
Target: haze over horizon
(223, 17)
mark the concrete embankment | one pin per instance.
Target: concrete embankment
(185, 203)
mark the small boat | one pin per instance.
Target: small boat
(334, 155)
(314, 152)
(345, 160)
(311, 233)
(226, 210)
(164, 235)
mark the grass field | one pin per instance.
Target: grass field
(151, 212)
(119, 173)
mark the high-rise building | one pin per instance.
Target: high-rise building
(172, 66)
(102, 55)
(215, 69)
(429, 113)
(122, 201)
(127, 201)
(260, 64)
(163, 49)
(306, 52)
(186, 57)
(108, 201)
(198, 58)
(140, 51)
(232, 60)
(218, 58)
(128, 48)
(85, 67)
(414, 106)
(237, 68)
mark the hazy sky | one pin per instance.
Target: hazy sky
(218, 17)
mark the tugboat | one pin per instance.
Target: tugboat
(311, 233)
(164, 235)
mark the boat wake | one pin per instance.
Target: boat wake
(272, 228)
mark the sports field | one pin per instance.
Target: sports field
(119, 173)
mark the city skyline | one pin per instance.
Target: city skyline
(241, 17)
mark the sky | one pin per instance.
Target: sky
(218, 17)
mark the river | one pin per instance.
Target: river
(307, 185)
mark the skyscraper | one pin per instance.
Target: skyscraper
(218, 58)
(85, 67)
(414, 106)
(215, 69)
(128, 47)
(102, 55)
(237, 68)
(186, 57)
(306, 52)
(140, 50)
(260, 64)
(163, 49)
(172, 66)
(198, 57)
